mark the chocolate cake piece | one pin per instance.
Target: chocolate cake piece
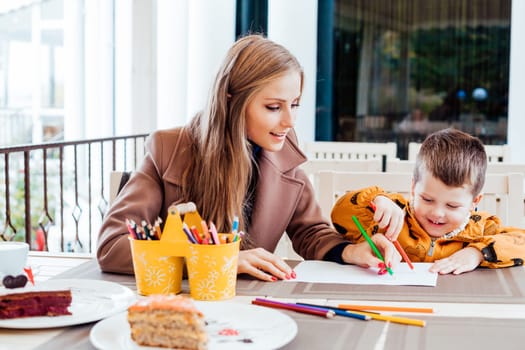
(35, 303)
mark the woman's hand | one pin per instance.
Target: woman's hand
(389, 216)
(362, 254)
(263, 265)
(464, 260)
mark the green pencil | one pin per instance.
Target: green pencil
(369, 240)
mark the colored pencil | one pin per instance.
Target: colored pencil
(371, 243)
(339, 311)
(397, 245)
(156, 228)
(214, 235)
(146, 229)
(196, 234)
(352, 307)
(235, 225)
(394, 319)
(205, 230)
(188, 233)
(403, 254)
(294, 307)
(131, 230)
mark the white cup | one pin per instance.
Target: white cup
(13, 258)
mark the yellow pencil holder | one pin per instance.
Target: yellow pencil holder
(212, 270)
(156, 272)
(158, 264)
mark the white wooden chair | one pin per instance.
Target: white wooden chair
(351, 150)
(495, 153)
(502, 193)
(413, 150)
(115, 179)
(400, 166)
(333, 184)
(407, 166)
(314, 166)
(498, 153)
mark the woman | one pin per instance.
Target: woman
(239, 156)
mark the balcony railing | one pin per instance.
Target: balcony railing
(54, 195)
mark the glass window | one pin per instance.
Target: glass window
(31, 72)
(403, 69)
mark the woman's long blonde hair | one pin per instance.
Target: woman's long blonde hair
(221, 169)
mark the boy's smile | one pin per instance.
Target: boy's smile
(439, 208)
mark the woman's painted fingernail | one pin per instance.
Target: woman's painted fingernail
(294, 275)
(287, 276)
(274, 278)
(381, 265)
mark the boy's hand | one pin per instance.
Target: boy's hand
(464, 260)
(389, 216)
(361, 253)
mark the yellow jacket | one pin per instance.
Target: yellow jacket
(501, 246)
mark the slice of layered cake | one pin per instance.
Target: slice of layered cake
(35, 303)
(170, 321)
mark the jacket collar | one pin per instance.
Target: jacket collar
(288, 158)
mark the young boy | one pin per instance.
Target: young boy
(439, 223)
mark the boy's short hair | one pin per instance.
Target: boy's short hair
(454, 157)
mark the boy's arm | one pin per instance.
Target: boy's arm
(356, 203)
(501, 246)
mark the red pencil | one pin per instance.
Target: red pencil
(294, 307)
(131, 230)
(397, 245)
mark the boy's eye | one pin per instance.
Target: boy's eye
(453, 206)
(426, 199)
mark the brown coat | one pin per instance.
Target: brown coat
(285, 201)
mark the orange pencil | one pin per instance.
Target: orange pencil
(397, 245)
(205, 230)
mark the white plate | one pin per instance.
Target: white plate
(258, 328)
(92, 300)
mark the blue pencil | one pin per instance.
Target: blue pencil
(339, 312)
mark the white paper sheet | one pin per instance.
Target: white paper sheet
(329, 272)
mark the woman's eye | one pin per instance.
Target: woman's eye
(273, 108)
(295, 105)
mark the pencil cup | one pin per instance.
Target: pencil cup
(212, 270)
(156, 270)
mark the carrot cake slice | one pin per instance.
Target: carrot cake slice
(170, 321)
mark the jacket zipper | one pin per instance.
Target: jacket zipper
(432, 244)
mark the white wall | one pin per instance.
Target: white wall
(172, 62)
(293, 23)
(97, 69)
(516, 117)
(192, 39)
